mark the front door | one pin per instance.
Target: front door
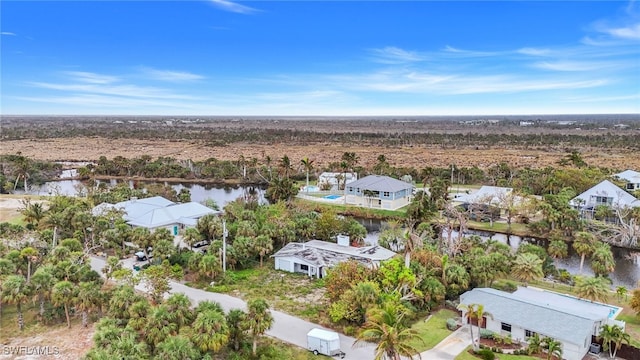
(175, 230)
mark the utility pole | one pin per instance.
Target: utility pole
(224, 246)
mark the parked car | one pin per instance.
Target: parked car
(201, 243)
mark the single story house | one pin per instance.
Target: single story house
(605, 193)
(486, 195)
(380, 192)
(331, 180)
(530, 311)
(157, 212)
(314, 257)
(632, 178)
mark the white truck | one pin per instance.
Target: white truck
(324, 342)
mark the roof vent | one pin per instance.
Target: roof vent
(343, 240)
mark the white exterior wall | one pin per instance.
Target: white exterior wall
(292, 264)
(373, 203)
(569, 351)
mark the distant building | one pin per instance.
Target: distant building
(157, 212)
(331, 180)
(379, 192)
(314, 257)
(632, 178)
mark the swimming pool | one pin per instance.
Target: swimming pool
(333, 197)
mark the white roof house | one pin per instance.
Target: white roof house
(528, 311)
(632, 178)
(315, 257)
(156, 212)
(331, 178)
(487, 195)
(377, 191)
(605, 193)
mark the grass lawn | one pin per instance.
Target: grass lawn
(466, 356)
(434, 330)
(296, 294)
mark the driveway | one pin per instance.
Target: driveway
(450, 347)
(285, 327)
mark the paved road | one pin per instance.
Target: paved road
(285, 327)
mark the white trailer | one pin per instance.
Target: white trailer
(324, 342)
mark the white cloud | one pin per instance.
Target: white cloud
(7, 33)
(91, 78)
(395, 55)
(171, 76)
(533, 51)
(628, 32)
(572, 65)
(233, 7)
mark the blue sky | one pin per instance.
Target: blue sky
(319, 57)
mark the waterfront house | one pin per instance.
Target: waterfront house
(332, 180)
(606, 194)
(379, 192)
(157, 212)
(529, 311)
(314, 257)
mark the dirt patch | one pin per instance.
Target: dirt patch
(56, 343)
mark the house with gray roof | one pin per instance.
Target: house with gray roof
(157, 212)
(315, 257)
(530, 311)
(632, 179)
(379, 192)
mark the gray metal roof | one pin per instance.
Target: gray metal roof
(380, 183)
(323, 253)
(545, 318)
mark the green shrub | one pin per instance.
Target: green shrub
(486, 334)
(486, 354)
(452, 324)
(505, 285)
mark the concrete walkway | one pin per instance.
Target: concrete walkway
(285, 327)
(450, 347)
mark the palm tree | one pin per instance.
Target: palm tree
(602, 260)
(64, 294)
(285, 166)
(177, 348)
(113, 265)
(386, 328)
(527, 267)
(470, 311)
(535, 344)
(143, 238)
(238, 326)
(584, 245)
(308, 166)
(15, 290)
(33, 212)
(621, 293)
(592, 288)
(88, 298)
(259, 318)
(179, 305)
(366, 295)
(480, 315)
(192, 236)
(411, 242)
(31, 255)
(160, 325)
(42, 283)
(210, 266)
(210, 330)
(612, 338)
(558, 249)
(263, 246)
(554, 348)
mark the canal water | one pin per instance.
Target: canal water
(626, 273)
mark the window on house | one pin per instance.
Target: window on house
(529, 333)
(385, 194)
(350, 189)
(304, 267)
(630, 186)
(603, 200)
(506, 327)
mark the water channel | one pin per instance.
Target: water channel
(626, 273)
